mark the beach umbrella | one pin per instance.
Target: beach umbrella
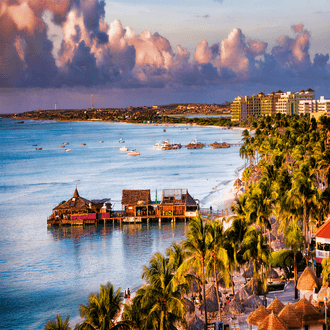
(235, 307)
(248, 273)
(277, 245)
(237, 183)
(272, 273)
(188, 305)
(210, 300)
(252, 302)
(242, 294)
(196, 323)
(221, 282)
(254, 287)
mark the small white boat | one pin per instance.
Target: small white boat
(123, 149)
(133, 153)
(101, 141)
(61, 146)
(67, 150)
(65, 143)
(121, 140)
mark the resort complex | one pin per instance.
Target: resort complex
(137, 206)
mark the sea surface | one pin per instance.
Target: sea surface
(46, 270)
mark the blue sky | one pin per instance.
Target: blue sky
(156, 52)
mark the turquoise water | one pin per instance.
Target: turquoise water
(44, 271)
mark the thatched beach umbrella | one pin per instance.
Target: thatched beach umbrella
(272, 273)
(252, 302)
(196, 324)
(235, 307)
(242, 294)
(248, 273)
(237, 183)
(211, 300)
(254, 287)
(256, 317)
(188, 305)
(277, 245)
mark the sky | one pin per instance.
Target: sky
(135, 53)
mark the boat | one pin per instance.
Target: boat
(123, 149)
(133, 153)
(61, 146)
(121, 140)
(38, 148)
(67, 150)
(166, 145)
(101, 141)
(65, 143)
(34, 145)
(82, 144)
(164, 130)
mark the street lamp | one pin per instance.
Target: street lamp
(325, 312)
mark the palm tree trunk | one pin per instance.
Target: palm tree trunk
(295, 274)
(216, 288)
(203, 279)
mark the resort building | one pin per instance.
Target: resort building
(323, 105)
(80, 211)
(322, 240)
(307, 283)
(288, 103)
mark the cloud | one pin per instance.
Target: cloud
(97, 53)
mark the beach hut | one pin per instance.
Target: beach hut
(248, 273)
(238, 183)
(196, 323)
(254, 287)
(79, 211)
(252, 302)
(275, 306)
(307, 283)
(211, 300)
(272, 322)
(310, 315)
(290, 317)
(257, 316)
(324, 292)
(277, 245)
(272, 274)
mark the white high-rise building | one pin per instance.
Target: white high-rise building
(323, 105)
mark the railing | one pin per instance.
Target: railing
(215, 214)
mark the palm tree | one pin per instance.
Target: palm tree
(196, 245)
(102, 309)
(160, 299)
(217, 257)
(58, 323)
(294, 239)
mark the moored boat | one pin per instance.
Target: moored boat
(67, 150)
(133, 153)
(123, 149)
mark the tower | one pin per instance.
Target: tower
(92, 102)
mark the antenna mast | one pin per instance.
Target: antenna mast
(92, 101)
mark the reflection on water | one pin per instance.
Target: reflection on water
(80, 232)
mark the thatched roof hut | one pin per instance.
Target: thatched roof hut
(308, 280)
(134, 197)
(252, 302)
(290, 317)
(310, 315)
(248, 273)
(196, 324)
(277, 245)
(257, 316)
(275, 306)
(254, 287)
(272, 322)
(237, 183)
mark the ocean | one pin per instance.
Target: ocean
(46, 270)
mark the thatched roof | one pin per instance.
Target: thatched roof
(133, 197)
(272, 273)
(310, 315)
(252, 302)
(272, 322)
(324, 292)
(248, 273)
(177, 196)
(211, 300)
(75, 203)
(237, 183)
(196, 323)
(189, 305)
(252, 287)
(242, 294)
(308, 280)
(275, 306)
(235, 307)
(290, 317)
(257, 316)
(277, 245)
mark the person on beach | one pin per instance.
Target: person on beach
(128, 294)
